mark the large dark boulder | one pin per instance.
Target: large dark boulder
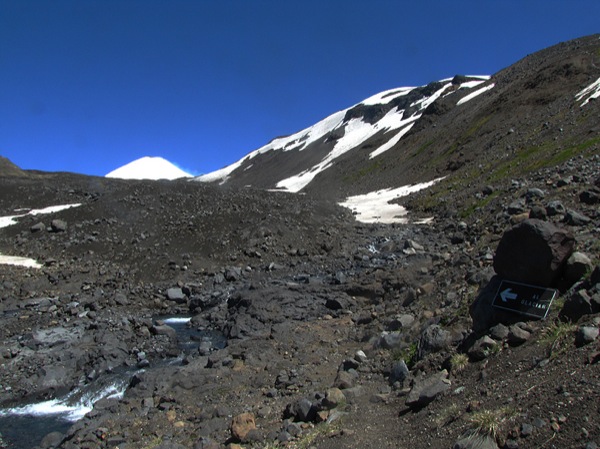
(533, 252)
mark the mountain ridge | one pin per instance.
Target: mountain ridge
(402, 107)
(439, 141)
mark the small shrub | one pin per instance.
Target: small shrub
(408, 354)
(459, 362)
(489, 422)
(493, 349)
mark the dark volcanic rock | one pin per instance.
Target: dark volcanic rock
(37, 227)
(586, 335)
(578, 304)
(301, 410)
(577, 266)
(52, 440)
(433, 339)
(575, 218)
(483, 348)
(533, 252)
(590, 196)
(426, 390)
(163, 329)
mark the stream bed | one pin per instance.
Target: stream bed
(24, 426)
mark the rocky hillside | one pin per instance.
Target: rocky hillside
(306, 327)
(533, 114)
(7, 168)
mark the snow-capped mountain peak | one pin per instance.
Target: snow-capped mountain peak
(149, 168)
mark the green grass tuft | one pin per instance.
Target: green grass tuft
(556, 336)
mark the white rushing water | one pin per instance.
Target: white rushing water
(77, 403)
(177, 320)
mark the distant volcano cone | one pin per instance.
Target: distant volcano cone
(149, 168)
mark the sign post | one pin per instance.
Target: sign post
(524, 299)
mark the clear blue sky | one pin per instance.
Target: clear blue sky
(90, 85)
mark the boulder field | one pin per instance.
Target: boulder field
(313, 330)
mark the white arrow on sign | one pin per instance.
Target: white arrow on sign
(508, 294)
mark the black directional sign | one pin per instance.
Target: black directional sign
(524, 299)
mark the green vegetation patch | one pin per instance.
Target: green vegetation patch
(422, 148)
(478, 204)
(547, 154)
(409, 355)
(459, 362)
(463, 138)
(542, 156)
(572, 152)
(320, 431)
(369, 169)
(558, 337)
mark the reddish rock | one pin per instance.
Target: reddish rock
(241, 425)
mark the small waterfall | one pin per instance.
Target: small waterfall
(23, 427)
(78, 402)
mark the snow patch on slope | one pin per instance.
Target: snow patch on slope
(592, 92)
(19, 261)
(474, 94)
(424, 102)
(387, 96)
(471, 84)
(376, 207)
(392, 142)
(153, 168)
(357, 132)
(11, 220)
(297, 141)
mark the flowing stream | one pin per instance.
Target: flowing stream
(25, 426)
